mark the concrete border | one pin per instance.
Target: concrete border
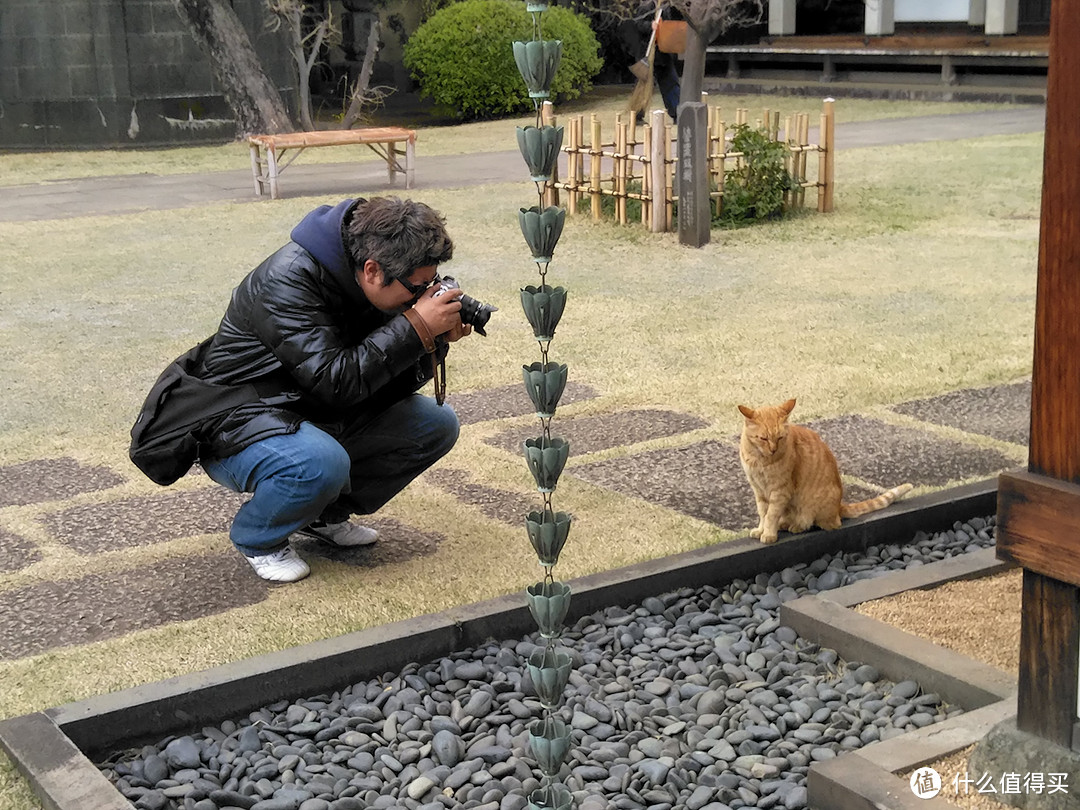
(52, 749)
(866, 779)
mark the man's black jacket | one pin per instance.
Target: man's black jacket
(299, 341)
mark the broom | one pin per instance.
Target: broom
(643, 70)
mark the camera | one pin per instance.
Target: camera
(473, 312)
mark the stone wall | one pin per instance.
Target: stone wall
(116, 73)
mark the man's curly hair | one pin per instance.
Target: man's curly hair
(401, 235)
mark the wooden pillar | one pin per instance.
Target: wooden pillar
(781, 17)
(1039, 510)
(880, 18)
(977, 13)
(1002, 17)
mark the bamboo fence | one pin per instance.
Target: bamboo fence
(616, 168)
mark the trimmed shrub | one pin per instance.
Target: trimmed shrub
(463, 59)
(755, 189)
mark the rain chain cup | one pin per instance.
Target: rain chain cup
(549, 599)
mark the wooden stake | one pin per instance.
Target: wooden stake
(646, 175)
(722, 174)
(716, 157)
(595, 152)
(614, 179)
(620, 164)
(551, 193)
(827, 135)
(789, 160)
(806, 149)
(659, 175)
(572, 157)
(669, 168)
(804, 140)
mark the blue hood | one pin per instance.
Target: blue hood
(321, 233)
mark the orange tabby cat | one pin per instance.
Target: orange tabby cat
(794, 475)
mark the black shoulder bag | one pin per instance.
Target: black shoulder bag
(166, 437)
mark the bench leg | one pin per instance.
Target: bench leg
(410, 153)
(272, 171)
(256, 169)
(828, 70)
(948, 71)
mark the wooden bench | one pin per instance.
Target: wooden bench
(267, 151)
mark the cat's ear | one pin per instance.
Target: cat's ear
(747, 412)
(787, 407)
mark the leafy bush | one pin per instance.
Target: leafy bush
(462, 56)
(754, 190)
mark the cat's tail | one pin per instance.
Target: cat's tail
(850, 510)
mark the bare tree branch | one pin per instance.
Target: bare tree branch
(361, 94)
(305, 47)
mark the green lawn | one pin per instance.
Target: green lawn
(920, 283)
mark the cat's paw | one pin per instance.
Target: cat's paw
(768, 538)
(756, 532)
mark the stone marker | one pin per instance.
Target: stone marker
(692, 144)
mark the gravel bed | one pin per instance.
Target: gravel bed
(694, 700)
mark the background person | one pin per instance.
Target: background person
(634, 35)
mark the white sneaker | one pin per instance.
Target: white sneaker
(343, 534)
(283, 565)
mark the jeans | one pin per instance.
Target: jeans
(300, 477)
(667, 79)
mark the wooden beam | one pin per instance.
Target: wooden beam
(1039, 525)
(1055, 379)
(1037, 519)
(1049, 659)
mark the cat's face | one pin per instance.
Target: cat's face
(767, 428)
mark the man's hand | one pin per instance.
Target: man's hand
(442, 313)
(457, 333)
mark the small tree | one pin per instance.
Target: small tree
(309, 29)
(707, 20)
(305, 46)
(362, 94)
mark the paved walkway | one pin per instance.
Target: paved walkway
(131, 193)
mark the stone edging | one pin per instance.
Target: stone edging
(52, 749)
(866, 777)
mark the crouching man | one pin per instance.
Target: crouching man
(306, 395)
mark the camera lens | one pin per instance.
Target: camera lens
(475, 313)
